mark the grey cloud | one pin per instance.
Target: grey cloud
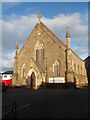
(12, 0)
(78, 31)
(16, 29)
(89, 45)
(8, 5)
(81, 52)
(19, 27)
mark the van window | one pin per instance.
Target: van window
(5, 76)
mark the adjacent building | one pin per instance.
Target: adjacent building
(6, 78)
(87, 64)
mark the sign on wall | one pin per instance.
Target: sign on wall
(57, 80)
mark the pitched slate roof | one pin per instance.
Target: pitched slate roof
(8, 72)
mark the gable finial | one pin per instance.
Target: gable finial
(39, 15)
(67, 33)
(68, 37)
(16, 48)
(16, 45)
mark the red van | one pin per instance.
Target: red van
(7, 78)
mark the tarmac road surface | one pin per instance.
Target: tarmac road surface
(48, 103)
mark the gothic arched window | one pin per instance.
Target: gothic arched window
(56, 68)
(78, 68)
(75, 67)
(40, 53)
(23, 70)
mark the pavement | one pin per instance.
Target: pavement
(48, 103)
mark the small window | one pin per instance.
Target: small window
(37, 55)
(81, 70)
(78, 68)
(75, 67)
(56, 69)
(40, 53)
(59, 70)
(5, 76)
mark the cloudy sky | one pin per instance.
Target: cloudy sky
(18, 20)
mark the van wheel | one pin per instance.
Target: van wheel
(3, 87)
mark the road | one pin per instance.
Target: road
(48, 103)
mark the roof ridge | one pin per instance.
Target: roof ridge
(27, 38)
(60, 40)
(47, 29)
(39, 66)
(77, 55)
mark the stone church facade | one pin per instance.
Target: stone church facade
(44, 58)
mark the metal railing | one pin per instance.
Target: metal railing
(9, 111)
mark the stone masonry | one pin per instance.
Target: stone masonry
(45, 56)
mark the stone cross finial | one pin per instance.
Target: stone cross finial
(39, 15)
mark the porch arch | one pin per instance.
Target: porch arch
(32, 78)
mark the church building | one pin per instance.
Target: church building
(46, 59)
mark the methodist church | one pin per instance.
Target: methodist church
(46, 59)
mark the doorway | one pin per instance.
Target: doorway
(32, 80)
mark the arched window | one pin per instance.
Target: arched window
(23, 70)
(40, 53)
(78, 68)
(56, 68)
(81, 69)
(75, 67)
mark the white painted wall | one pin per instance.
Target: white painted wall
(6, 76)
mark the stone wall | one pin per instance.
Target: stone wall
(87, 65)
(54, 50)
(77, 66)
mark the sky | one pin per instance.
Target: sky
(45, 0)
(19, 19)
